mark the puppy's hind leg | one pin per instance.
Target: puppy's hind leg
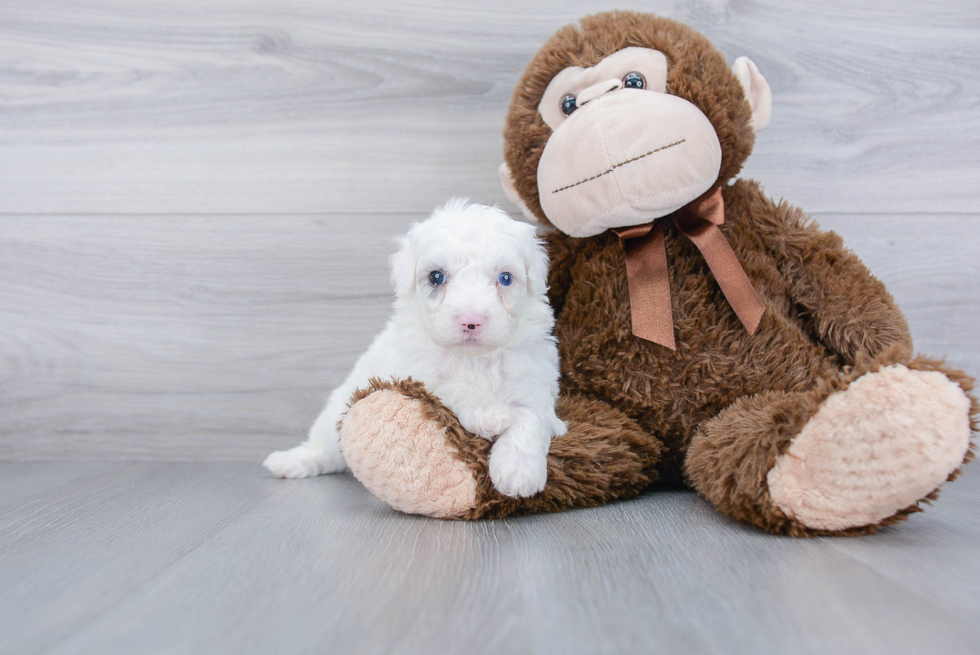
(320, 453)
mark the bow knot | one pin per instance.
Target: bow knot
(646, 268)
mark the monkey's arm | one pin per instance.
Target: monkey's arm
(562, 254)
(849, 310)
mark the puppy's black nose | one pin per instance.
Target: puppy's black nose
(471, 326)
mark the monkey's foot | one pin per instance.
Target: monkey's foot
(873, 450)
(410, 451)
(395, 443)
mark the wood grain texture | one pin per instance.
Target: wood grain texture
(218, 558)
(72, 552)
(219, 337)
(196, 204)
(930, 266)
(157, 333)
(215, 106)
(17, 482)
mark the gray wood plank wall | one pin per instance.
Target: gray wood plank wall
(197, 198)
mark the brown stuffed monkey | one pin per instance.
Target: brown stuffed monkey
(707, 335)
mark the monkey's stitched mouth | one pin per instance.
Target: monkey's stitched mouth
(622, 163)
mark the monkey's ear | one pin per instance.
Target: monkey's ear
(507, 182)
(756, 91)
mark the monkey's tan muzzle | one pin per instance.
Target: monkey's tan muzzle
(625, 158)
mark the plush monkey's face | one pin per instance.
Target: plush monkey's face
(655, 120)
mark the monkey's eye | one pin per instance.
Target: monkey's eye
(436, 278)
(506, 279)
(633, 81)
(568, 105)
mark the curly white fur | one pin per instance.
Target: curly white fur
(482, 346)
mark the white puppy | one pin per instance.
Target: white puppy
(472, 322)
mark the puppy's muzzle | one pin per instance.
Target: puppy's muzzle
(471, 324)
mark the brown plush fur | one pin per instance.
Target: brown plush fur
(696, 71)
(605, 455)
(716, 413)
(824, 310)
(731, 455)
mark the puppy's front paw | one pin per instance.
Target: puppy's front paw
(515, 472)
(487, 421)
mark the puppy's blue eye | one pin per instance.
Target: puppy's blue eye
(437, 278)
(505, 279)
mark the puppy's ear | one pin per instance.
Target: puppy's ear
(401, 265)
(535, 262)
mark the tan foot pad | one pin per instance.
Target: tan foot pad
(403, 458)
(876, 448)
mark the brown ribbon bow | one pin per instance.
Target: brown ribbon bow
(646, 268)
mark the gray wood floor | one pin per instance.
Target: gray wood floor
(220, 558)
